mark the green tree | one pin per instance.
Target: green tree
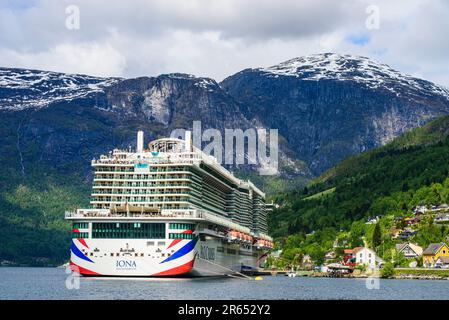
(377, 235)
(387, 270)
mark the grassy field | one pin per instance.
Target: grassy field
(320, 194)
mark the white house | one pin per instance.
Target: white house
(367, 257)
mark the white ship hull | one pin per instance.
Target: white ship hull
(212, 257)
(168, 210)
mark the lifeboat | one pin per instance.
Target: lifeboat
(232, 235)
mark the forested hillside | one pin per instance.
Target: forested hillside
(387, 182)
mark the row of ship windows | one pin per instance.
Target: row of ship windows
(99, 226)
(78, 235)
(141, 184)
(184, 226)
(131, 235)
(128, 230)
(156, 198)
(181, 236)
(153, 169)
(80, 225)
(141, 177)
(160, 206)
(142, 192)
(124, 255)
(127, 225)
(128, 235)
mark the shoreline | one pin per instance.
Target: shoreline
(400, 274)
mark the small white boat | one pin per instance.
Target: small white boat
(291, 274)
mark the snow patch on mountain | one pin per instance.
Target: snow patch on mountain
(22, 88)
(332, 66)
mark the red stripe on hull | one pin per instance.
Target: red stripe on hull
(176, 271)
(83, 242)
(174, 243)
(81, 270)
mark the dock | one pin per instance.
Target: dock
(276, 272)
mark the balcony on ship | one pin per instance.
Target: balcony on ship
(133, 212)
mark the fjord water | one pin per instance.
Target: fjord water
(50, 283)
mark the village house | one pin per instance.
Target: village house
(348, 257)
(419, 210)
(407, 233)
(394, 232)
(307, 262)
(441, 218)
(409, 250)
(365, 256)
(331, 255)
(432, 254)
(412, 221)
(339, 243)
(440, 208)
(373, 220)
(442, 262)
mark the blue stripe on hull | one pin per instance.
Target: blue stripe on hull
(78, 253)
(181, 252)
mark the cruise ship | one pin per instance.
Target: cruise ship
(168, 210)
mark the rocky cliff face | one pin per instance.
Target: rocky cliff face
(174, 100)
(326, 107)
(330, 106)
(62, 132)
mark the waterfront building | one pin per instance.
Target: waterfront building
(433, 252)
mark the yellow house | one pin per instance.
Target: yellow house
(433, 252)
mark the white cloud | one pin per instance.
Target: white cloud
(218, 38)
(86, 58)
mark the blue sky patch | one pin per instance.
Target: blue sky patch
(361, 39)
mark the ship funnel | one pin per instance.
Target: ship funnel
(140, 141)
(188, 141)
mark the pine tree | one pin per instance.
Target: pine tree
(377, 235)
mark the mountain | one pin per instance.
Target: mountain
(66, 120)
(331, 106)
(326, 107)
(21, 89)
(52, 125)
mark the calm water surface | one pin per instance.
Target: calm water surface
(50, 283)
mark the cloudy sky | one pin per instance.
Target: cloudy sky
(216, 38)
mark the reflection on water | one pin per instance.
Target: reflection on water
(50, 283)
